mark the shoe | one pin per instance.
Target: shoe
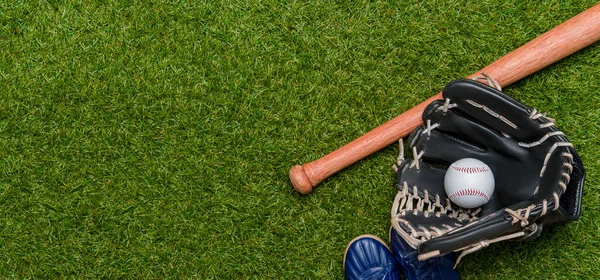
(367, 257)
(438, 268)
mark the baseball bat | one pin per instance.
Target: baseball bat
(554, 45)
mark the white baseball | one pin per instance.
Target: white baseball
(469, 183)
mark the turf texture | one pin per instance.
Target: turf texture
(153, 139)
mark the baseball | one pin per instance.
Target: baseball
(469, 183)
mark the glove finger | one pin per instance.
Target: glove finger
(484, 229)
(570, 201)
(494, 109)
(552, 172)
(456, 126)
(438, 148)
(451, 136)
(563, 166)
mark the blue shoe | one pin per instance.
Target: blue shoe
(438, 268)
(367, 257)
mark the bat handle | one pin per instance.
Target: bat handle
(305, 177)
(300, 180)
(563, 40)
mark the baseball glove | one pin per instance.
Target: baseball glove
(538, 175)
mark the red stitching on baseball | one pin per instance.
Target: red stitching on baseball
(470, 170)
(473, 192)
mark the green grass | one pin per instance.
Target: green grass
(151, 139)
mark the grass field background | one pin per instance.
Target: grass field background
(153, 139)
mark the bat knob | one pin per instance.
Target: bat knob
(300, 180)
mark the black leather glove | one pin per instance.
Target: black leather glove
(538, 174)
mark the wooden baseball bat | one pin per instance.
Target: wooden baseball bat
(563, 40)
